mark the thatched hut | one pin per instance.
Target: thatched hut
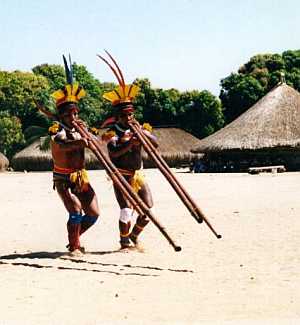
(175, 147)
(4, 163)
(174, 144)
(266, 134)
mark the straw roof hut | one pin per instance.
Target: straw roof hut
(270, 130)
(4, 163)
(175, 147)
(174, 144)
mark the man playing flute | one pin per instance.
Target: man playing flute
(69, 176)
(125, 151)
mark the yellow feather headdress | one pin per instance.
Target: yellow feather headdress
(122, 93)
(71, 92)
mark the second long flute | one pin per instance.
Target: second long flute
(166, 171)
(122, 184)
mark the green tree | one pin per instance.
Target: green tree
(11, 136)
(156, 106)
(200, 113)
(292, 68)
(33, 133)
(54, 73)
(92, 107)
(144, 100)
(257, 77)
(17, 93)
(239, 92)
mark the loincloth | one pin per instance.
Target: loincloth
(77, 180)
(136, 178)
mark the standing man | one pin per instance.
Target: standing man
(125, 152)
(69, 176)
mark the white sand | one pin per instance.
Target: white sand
(251, 276)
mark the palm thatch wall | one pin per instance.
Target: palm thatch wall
(4, 163)
(174, 144)
(268, 132)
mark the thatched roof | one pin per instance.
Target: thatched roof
(174, 144)
(273, 122)
(3, 162)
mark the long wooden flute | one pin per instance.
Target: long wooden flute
(122, 184)
(166, 171)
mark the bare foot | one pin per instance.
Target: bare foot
(126, 248)
(81, 248)
(137, 244)
(76, 253)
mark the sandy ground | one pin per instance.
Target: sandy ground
(250, 276)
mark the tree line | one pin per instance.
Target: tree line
(198, 112)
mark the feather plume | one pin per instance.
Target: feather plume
(43, 110)
(69, 74)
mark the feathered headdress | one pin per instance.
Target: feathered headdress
(122, 94)
(71, 92)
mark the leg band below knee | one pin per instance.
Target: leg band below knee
(125, 215)
(87, 222)
(89, 219)
(75, 218)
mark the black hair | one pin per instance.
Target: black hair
(122, 106)
(66, 106)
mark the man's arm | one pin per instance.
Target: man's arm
(151, 137)
(117, 150)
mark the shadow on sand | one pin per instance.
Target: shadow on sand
(62, 256)
(48, 255)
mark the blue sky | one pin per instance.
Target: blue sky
(183, 44)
